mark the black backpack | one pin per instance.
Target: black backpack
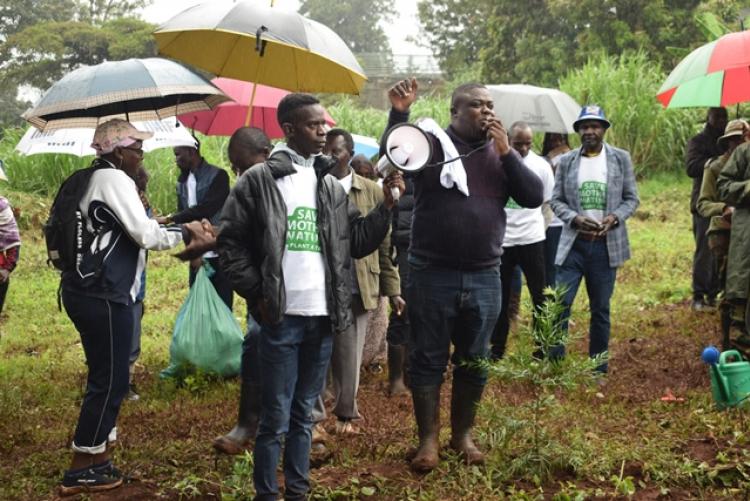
(65, 231)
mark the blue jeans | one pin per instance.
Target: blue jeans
(445, 306)
(551, 242)
(294, 358)
(589, 261)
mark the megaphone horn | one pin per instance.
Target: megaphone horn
(406, 149)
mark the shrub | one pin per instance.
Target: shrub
(521, 435)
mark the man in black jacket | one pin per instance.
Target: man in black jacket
(457, 228)
(288, 233)
(700, 149)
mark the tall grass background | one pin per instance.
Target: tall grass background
(624, 86)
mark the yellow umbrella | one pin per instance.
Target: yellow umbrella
(260, 44)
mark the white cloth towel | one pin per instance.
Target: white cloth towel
(453, 173)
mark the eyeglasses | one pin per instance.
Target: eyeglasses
(137, 151)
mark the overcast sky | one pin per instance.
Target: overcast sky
(405, 23)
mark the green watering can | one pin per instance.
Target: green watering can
(730, 381)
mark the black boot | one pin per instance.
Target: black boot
(242, 435)
(464, 401)
(427, 412)
(396, 365)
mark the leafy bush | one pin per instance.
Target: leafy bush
(625, 87)
(520, 436)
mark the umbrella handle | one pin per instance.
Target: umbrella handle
(249, 116)
(260, 48)
(260, 44)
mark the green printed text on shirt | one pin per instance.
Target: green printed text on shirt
(593, 195)
(302, 230)
(512, 204)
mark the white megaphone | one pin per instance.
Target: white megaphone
(406, 149)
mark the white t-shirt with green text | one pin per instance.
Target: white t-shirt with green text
(592, 185)
(526, 226)
(302, 263)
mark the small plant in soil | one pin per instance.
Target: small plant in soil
(521, 435)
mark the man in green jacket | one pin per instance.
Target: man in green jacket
(372, 276)
(733, 186)
(719, 213)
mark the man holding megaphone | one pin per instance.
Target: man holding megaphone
(461, 187)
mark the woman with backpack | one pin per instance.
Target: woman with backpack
(99, 290)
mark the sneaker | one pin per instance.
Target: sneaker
(91, 479)
(319, 434)
(107, 468)
(133, 395)
(700, 305)
(346, 428)
(375, 368)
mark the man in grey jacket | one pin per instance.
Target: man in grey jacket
(595, 192)
(288, 234)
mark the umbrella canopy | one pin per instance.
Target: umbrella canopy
(228, 117)
(715, 74)
(545, 110)
(134, 89)
(295, 53)
(78, 141)
(365, 145)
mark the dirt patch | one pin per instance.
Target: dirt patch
(663, 355)
(163, 446)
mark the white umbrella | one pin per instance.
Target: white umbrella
(545, 110)
(365, 145)
(77, 141)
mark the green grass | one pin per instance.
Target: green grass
(627, 441)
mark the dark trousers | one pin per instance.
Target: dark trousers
(106, 330)
(3, 292)
(250, 362)
(705, 274)
(135, 350)
(398, 325)
(450, 306)
(530, 258)
(218, 279)
(551, 243)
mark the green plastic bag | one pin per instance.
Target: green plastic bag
(206, 335)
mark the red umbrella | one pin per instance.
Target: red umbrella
(228, 117)
(715, 74)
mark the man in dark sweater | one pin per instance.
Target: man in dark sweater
(456, 243)
(700, 149)
(202, 189)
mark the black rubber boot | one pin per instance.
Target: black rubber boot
(427, 413)
(396, 366)
(242, 435)
(464, 401)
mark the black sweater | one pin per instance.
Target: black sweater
(701, 148)
(454, 231)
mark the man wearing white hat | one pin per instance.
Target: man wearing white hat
(202, 189)
(595, 192)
